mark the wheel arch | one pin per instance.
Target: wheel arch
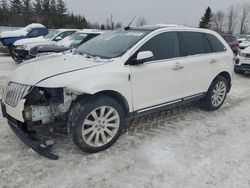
(113, 94)
(227, 76)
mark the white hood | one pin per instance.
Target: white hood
(31, 45)
(29, 41)
(34, 71)
(16, 33)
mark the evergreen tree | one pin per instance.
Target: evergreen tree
(4, 12)
(37, 7)
(27, 7)
(61, 7)
(27, 11)
(16, 16)
(16, 6)
(206, 19)
(53, 10)
(46, 7)
(4, 6)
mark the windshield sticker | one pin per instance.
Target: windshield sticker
(136, 34)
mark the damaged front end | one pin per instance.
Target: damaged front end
(46, 107)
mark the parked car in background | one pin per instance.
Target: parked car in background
(242, 38)
(7, 38)
(244, 44)
(21, 48)
(117, 75)
(232, 42)
(68, 43)
(242, 63)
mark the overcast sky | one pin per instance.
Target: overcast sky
(186, 12)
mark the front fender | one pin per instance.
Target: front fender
(112, 77)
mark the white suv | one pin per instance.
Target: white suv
(117, 75)
(242, 63)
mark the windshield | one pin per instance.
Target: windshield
(52, 34)
(77, 38)
(111, 44)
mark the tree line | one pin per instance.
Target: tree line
(52, 13)
(235, 19)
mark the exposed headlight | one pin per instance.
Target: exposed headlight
(21, 47)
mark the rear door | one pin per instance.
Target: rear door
(198, 61)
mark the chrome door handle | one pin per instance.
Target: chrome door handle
(213, 61)
(178, 67)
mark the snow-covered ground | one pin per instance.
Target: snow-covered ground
(186, 147)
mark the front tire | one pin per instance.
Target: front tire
(95, 125)
(216, 94)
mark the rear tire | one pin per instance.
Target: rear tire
(95, 125)
(216, 94)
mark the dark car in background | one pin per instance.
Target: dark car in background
(232, 42)
(21, 48)
(7, 38)
(66, 44)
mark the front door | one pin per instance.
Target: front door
(159, 82)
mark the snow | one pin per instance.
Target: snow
(20, 32)
(185, 147)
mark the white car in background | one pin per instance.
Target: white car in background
(121, 74)
(69, 43)
(246, 43)
(242, 63)
(21, 47)
(242, 38)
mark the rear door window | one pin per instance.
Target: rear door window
(163, 46)
(192, 43)
(215, 43)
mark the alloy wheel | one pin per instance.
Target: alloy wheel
(100, 126)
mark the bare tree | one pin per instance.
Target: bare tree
(141, 21)
(118, 25)
(110, 23)
(243, 19)
(232, 16)
(218, 21)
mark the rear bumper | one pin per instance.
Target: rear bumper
(21, 131)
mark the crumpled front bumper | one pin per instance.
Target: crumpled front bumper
(20, 129)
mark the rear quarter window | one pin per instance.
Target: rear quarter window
(215, 43)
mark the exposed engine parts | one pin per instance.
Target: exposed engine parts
(46, 105)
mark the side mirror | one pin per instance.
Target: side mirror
(144, 57)
(58, 38)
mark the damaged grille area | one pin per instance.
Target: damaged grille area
(14, 92)
(44, 96)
